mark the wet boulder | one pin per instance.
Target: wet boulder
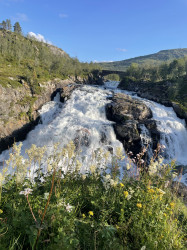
(129, 114)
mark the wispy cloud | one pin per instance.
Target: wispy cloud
(20, 17)
(62, 15)
(121, 50)
(38, 37)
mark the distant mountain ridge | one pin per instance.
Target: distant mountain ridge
(147, 60)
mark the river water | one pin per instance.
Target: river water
(82, 119)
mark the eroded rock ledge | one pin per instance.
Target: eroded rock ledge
(129, 114)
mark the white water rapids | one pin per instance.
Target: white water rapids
(82, 118)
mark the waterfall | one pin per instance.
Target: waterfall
(82, 119)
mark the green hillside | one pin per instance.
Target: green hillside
(26, 59)
(146, 61)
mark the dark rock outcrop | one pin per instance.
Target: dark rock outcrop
(129, 114)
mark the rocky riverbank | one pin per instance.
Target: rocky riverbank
(129, 115)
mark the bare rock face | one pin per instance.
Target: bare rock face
(128, 114)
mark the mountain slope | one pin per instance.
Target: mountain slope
(148, 60)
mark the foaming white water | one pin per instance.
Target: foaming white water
(81, 119)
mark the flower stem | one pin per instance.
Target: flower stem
(45, 209)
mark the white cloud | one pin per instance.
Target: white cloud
(38, 37)
(21, 17)
(62, 15)
(121, 50)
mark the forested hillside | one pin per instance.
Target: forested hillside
(146, 61)
(24, 58)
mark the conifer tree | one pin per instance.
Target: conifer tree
(4, 26)
(8, 24)
(17, 28)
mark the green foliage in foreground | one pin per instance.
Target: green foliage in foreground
(96, 210)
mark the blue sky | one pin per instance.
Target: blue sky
(103, 30)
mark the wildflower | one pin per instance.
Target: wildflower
(129, 197)
(172, 204)
(143, 248)
(1, 211)
(165, 214)
(166, 184)
(174, 175)
(83, 216)
(1, 179)
(26, 191)
(160, 191)
(46, 196)
(83, 177)
(113, 183)
(119, 153)
(151, 191)
(131, 190)
(121, 185)
(92, 168)
(126, 193)
(90, 213)
(128, 166)
(78, 165)
(106, 155)
(139, 205)
(69, 207)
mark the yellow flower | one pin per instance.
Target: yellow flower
(165, 214)
(126, 193)
(139, 205)
(151, 191)
(91, 213)
(172, 204)
(121, 185)
(84, 216)
(1, 211)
